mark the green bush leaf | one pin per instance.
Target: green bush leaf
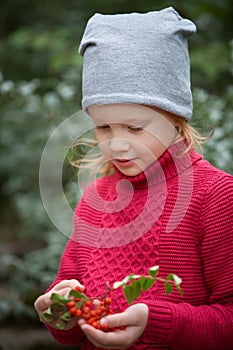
(57, 298)
(79, 304)
(131, 277)
(61, 324)
(179, 290)
(136, 287)
(153, 271)
(177, 280)
(76, 294)
(128, 278)
(57, 307)
(146, 283)
(168, 287)
(47, 316)
(118, 284)
(128, 291)
(66, 316)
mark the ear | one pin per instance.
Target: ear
(179, 129)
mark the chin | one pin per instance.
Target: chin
(131, 172)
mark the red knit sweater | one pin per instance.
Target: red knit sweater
(178, 215)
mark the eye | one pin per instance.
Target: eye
(135, 128)
(102, 127)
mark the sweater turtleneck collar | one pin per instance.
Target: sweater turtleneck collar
(173, 161)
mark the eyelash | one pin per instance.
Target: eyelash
(102, 127)
(131, 128)
(135, 128)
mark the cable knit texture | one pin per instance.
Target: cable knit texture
(178, 215)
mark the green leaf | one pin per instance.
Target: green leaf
(131, 277)
(146, 283)
(136, 287)
(47, 316)
(57, 298)
(153, 271)
(66, 316)
(57, 307)
(127, 278)
(48, 311)
(168, 287)
(177, 280)
(76, 294)
(61, 324)
(179, 290)
(118, 284)
(79, 304)
(128, 291)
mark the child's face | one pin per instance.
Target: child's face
(132, 136)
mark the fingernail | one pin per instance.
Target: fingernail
(104, 321)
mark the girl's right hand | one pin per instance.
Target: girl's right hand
(43, 302)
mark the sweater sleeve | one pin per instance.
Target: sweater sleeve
(209, 327)
(67, 270)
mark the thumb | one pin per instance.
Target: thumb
(115, 320)
(133, 315)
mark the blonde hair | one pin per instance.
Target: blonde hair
(189, 134)
(96, 160)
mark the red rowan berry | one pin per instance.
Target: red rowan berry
(70, 304)
(73, 311)
(87, 316)
(105, 327)
(93, 313)
(94, 324)
(107, 301)
(103, 308)
(98, 326)
(78, 288)
(86, 309)
(79, 313)
(98, 311)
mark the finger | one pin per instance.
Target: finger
(126, 318)
(114, 340)
(117, 320)
(72, 283)
(42, 303)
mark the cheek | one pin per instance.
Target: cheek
(152, 149)
(104, 146)
(101, 139)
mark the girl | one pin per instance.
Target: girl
(162, 203)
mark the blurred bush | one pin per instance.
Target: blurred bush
(30, 111)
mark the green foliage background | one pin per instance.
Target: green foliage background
(40, 86)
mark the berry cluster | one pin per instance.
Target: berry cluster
(78, 304)
(91, 310)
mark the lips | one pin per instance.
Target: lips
(124, 162)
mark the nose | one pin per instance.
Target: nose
(119, 145)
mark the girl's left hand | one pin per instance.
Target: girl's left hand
(134, 318)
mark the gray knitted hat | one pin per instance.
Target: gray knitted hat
(138, 58)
